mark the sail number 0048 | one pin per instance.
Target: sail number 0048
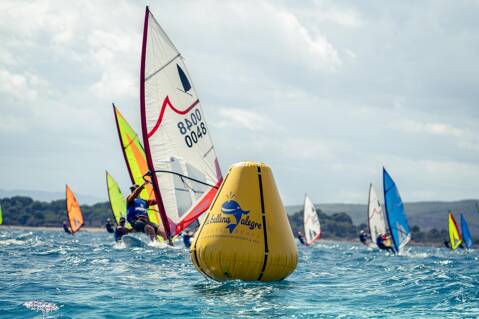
(192, 128)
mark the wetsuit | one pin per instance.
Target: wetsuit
(363, 238)
(187, 240)
(301, 239)
(66, 229)
(109, 228)
(120, 231)
(380, 243)
(137, 215)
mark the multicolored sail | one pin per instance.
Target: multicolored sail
(312, 227)
(176, 137)
(376, 222)
(454, 236)
(117, 201)
(396, 216)
(466, 235)
(74, 214)
(135, 160)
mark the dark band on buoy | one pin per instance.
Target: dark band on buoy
(265, 233)
(201, 229)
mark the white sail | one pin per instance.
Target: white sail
(376, 220)
(175, 133)
(312, 228)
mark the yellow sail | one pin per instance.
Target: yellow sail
(135, 160)
(454, 235)
(75, 216)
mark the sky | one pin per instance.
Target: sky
(324, 92)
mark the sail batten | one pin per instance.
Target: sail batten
(312, 227)
(176, 137)
(395, 214)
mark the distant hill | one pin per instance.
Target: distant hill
(427, 215)
(48, 196)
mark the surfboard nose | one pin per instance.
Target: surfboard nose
(260, 246)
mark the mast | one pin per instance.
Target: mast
(154, 180)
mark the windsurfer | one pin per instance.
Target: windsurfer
(300, 236)
(121, 230)
(187, 238)
(382, 242)
(137, 212)
(363, 237)
(65, 228)
(109, 226)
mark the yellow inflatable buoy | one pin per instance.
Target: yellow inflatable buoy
(246, 234)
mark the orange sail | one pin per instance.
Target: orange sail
(75, 217)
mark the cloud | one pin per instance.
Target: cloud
(324, 92)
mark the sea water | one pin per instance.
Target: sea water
(49, 274)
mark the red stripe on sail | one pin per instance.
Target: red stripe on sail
(166, 103)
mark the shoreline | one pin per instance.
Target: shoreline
(48, 228)
(102, 229)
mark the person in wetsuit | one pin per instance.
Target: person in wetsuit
(381, 242)
(137, 212)
(446, 243)
(187, 238)
(109, 226)
(301, 237)
(363, 237)
(66, 228)
(121, 230)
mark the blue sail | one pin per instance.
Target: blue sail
(397, 220)
(466, 235)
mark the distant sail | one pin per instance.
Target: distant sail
(1, 215)
(477, 207)
(466, 235)
(74, 214)
(135, 160)
(376, 222)
(175, 133)
(117, 201)
(312, 227)
(396, 216)
(454, 235)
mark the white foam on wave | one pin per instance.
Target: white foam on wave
(9, 242)
(44, 307)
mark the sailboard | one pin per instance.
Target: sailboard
(135, 160)
(132, 241)
(117, 200)
(178, 146)
(376, 221)
(312, 227)
(74, 214)
(466, 235)
(395, 214)
(454, 235)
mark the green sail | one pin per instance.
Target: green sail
(117, 201)
(1, 215)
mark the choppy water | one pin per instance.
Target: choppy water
(52, 275)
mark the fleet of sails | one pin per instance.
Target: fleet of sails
(177, 148)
